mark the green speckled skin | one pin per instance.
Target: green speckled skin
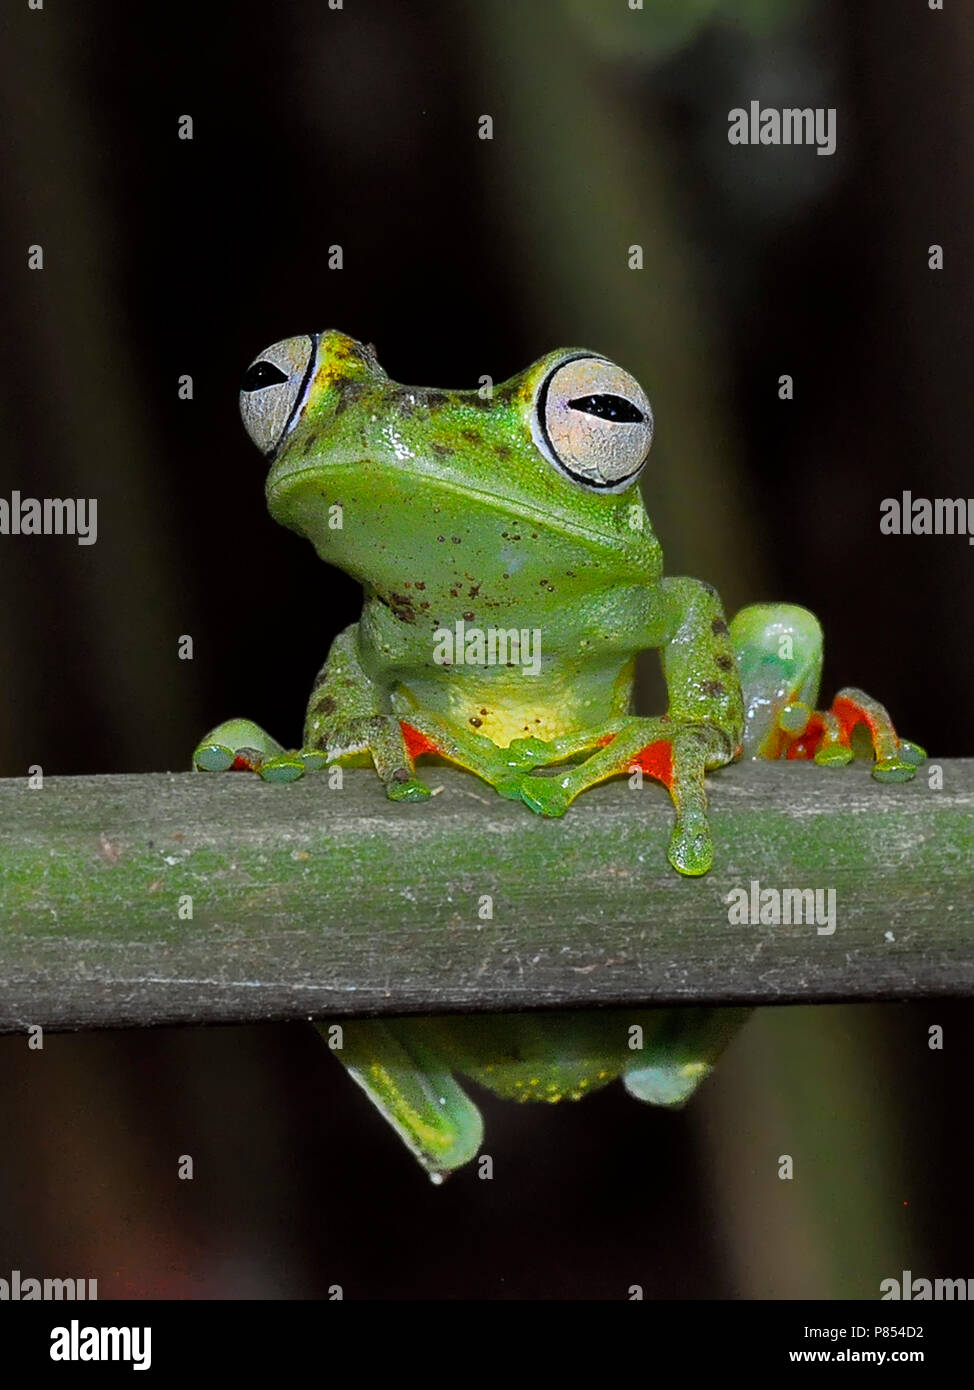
(518, 508)
(451, 513)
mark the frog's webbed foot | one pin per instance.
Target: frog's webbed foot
(675, 752)
(240, 745)
(504, 769)
(391, 745)
(829, 736)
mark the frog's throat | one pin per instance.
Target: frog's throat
(515, 507)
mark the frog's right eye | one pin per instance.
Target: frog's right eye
(274, 389)
(594, 422)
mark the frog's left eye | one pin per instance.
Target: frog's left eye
(274, 388)
(594, 422)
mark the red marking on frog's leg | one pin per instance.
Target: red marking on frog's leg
(416, 743)
(894, 759)
(806, 745)
(828, 737)
(850, 712)
(656, 760)
(241, 764)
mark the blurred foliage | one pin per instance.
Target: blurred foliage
(653, 30)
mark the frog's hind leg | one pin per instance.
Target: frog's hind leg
(682, 1050)
(240, 745)
(896, 759)
(779, 657)
(413, 1088)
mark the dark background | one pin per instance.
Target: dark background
(463, 257)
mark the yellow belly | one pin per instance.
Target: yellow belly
(505, 708)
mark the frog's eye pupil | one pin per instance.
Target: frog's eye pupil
(607, 407)
(262, 374)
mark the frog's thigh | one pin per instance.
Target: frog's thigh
(546, 1057)
(680, 1053)
(412, 1086)
(779, 657)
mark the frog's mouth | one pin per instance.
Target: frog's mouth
(281, 490)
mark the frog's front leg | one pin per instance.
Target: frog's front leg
(348, 720)
(701, 731)
(501, 768)
(674, 753)
(350, 716)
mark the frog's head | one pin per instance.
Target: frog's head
(386, 479)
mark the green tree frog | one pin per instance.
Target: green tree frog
(511, 577)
